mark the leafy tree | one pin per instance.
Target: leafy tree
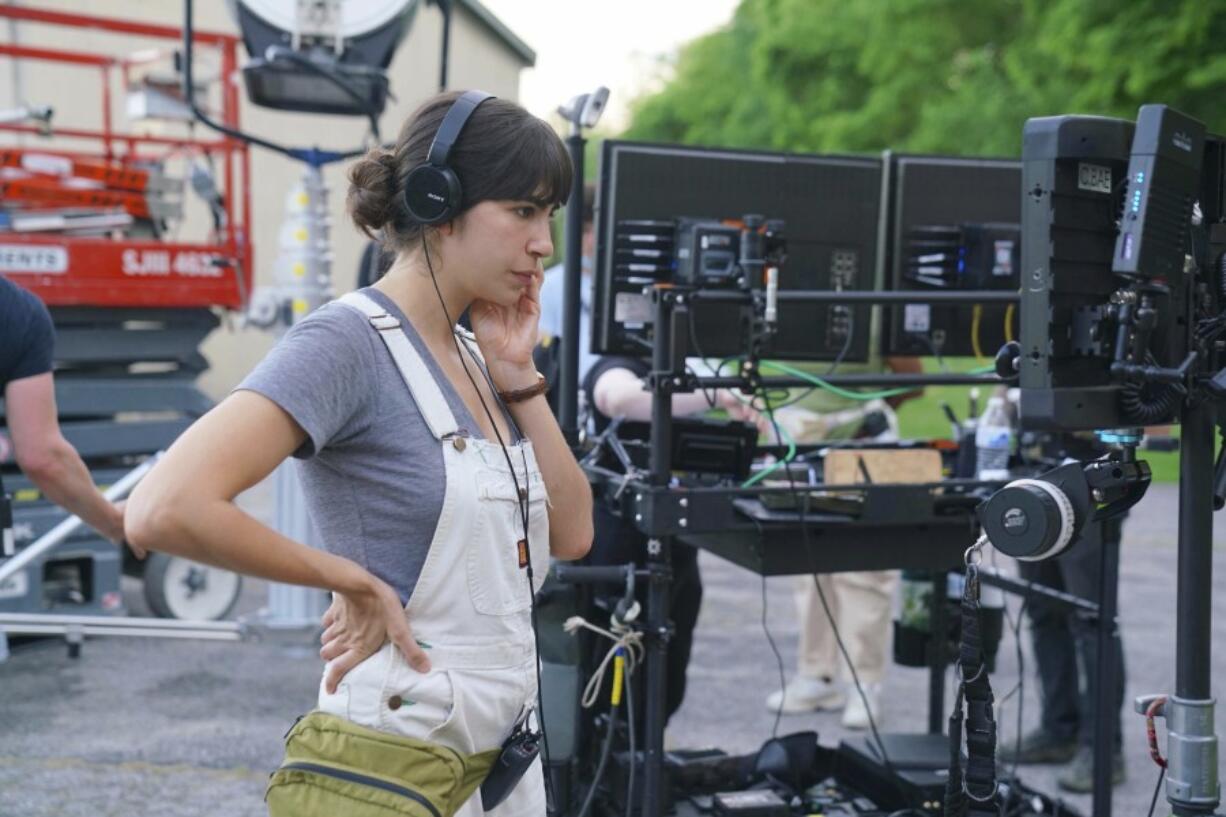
(941, 76)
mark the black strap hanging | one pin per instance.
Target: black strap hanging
(972, 792)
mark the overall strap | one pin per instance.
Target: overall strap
(413, 369)
(469, 342)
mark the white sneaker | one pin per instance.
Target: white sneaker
(855, 716)
(805, 694)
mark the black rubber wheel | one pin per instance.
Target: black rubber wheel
(180, 588)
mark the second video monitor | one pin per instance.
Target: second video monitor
(952, 224)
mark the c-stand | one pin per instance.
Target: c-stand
(581, 112)
(1191, 780)
(663, 513)
(1192, 786)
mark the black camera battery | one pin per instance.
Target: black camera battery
(754, 803)
(1163, 178)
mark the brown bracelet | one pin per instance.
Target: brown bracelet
(519, 395)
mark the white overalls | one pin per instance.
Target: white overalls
(471, 606)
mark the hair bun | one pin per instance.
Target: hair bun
(385, 157)
(371, 200)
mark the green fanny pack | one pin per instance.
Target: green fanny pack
(336, 767)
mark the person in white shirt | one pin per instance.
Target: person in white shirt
(552, 290)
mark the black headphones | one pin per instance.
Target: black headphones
(432, 193)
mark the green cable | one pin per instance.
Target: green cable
(820, 383)
(854, 395)
(775, 466)
(817, 381)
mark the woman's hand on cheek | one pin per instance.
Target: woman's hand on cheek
(507, 335)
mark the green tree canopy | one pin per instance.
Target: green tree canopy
(939, 76)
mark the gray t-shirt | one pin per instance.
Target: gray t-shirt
(371, 470)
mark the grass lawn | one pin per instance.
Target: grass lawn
(923, 417)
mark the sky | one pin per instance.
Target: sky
(582, 44)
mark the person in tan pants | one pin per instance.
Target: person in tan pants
(860, 605)
(859, 602)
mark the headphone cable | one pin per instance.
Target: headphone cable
(521, 495)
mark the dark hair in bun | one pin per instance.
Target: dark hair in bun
(504, 153)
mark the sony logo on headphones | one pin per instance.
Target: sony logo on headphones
(436, 197)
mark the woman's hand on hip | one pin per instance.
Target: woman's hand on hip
(358, 624)
(507, 335)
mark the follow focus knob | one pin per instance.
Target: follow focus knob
(1029, 519)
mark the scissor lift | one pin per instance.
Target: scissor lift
(88, 232)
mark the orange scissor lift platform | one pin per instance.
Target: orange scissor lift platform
(118, 270)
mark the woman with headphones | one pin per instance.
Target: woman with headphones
(434, 470)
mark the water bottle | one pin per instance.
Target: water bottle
(993, 441)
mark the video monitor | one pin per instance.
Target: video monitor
(1121, 232)
(654, 199)
(952, 224)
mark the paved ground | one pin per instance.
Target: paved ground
(179, 729)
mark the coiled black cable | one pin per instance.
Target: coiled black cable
(1149, 403)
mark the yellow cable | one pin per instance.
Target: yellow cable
(976, 314)
(1009, 323)
(619, 668)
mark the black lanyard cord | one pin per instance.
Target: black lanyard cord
(973, 791)
(521, 495)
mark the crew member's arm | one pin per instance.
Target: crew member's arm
(904, 365)
(619, 392)
(50, 461)
(185, 506)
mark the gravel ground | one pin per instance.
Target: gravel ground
(186, 728)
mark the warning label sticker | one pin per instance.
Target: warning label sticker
(28, 258)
